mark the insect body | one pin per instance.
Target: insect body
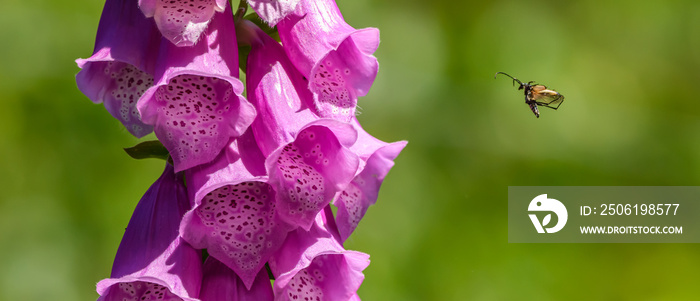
(537, 95)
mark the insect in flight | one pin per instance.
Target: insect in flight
(537, 95)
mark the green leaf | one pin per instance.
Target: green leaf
(148, 149)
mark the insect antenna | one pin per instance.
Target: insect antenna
(506, 74)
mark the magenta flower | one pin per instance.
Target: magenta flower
(152, 261)
(182, 21)
(196, 105)
(309, 171)
(377, 158)
(235, 216)
(335, 58)
(122, 65)
(312, 265)
(308, 160)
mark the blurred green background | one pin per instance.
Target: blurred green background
(629, 70)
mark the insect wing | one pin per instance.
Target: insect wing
(546, 97)
(553, 101)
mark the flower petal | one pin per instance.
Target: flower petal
(362, 192)
(277, 90)
(336, 58)
(152, 260)
(377, 159)
(235, 216)
(196, 104)
(221, 284)
(309, 171)
(196, 116)
(312, 265)
(182, 21)
(122, 65)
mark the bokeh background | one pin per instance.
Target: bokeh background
(629, 70)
